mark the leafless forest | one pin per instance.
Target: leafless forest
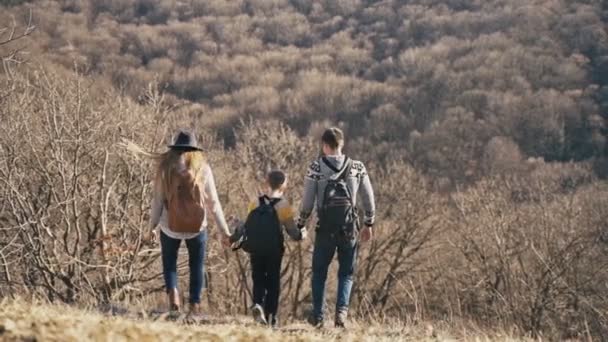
(482, 123)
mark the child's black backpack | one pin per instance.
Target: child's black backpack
(262, 232)
(338, 214)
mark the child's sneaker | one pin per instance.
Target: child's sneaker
(274, 322)
(258, 314)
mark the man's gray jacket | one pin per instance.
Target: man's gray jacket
(357, 181)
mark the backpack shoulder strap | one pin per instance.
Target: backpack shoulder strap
(265, 200)
(330, 165)
(262, 200)
(348, 164)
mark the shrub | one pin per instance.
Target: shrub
(527, 261)
(75, 215)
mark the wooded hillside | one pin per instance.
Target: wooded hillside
(482, 125)
(451, 86)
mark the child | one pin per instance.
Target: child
(262, 237)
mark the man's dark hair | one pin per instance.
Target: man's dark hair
(276, 179)
(333, 137)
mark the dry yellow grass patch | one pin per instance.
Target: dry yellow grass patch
(20, 321)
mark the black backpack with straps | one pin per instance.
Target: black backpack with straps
(338, 214)
(262, 230)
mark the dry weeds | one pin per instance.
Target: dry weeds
(20, 321)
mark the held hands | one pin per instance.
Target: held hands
(303, 233)
(235, 224)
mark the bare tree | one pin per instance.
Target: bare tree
(10, 53)
(73, 206)
(528, 258)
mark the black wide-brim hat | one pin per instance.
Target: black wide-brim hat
(185, 141)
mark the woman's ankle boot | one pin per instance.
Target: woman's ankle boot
(173, 295)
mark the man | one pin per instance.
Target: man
(333, 182)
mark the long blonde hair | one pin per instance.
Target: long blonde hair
(169, 163)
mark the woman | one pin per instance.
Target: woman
(184, 192)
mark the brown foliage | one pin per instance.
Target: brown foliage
(514, 249)
(500, 106)
(524, 69)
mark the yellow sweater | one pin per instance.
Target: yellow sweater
(286, 214)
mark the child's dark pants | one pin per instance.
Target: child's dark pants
(266, 274)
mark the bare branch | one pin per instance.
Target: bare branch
(8, 37)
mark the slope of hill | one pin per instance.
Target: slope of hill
(27, 322)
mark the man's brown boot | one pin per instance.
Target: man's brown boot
(195, 309)
(173, 295)
(194, 314)
(340, 321)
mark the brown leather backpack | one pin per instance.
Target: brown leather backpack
(185, 204)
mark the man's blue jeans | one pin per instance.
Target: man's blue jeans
(196, 260)
(325, 247)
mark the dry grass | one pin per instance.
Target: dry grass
(20, 321)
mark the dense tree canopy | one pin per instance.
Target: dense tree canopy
(455, 73)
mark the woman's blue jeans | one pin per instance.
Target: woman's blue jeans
(196, 260)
